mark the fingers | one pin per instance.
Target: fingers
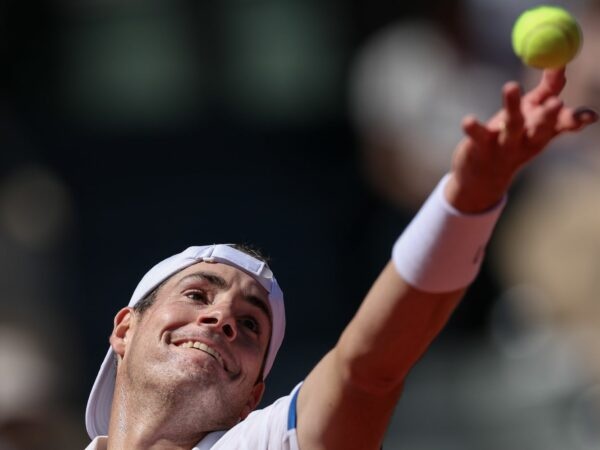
(570, 119)
(526, 126)
(512, 126)
(540, 115)
(507, 126)
(542, 124)
(511, 96)
(479, 133)
(552, 83)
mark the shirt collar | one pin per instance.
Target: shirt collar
(100, 442)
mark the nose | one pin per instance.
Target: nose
(219, 319)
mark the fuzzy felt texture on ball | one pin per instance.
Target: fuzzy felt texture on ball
(546, 37)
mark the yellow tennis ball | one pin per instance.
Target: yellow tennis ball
(546, 37)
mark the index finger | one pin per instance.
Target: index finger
(511, 94)
(552, 83)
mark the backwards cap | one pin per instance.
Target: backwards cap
(97, 414)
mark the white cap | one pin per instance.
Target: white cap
(97, 414)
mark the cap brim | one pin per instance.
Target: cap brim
(97, 413)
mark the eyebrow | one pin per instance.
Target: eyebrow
(220, 283)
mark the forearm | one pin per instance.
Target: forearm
(434, 261)
(392, 329)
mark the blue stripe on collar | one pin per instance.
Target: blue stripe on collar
(292, 411)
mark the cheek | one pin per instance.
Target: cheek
(174, 317)
(253, 354)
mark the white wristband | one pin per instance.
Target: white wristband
(441, 250)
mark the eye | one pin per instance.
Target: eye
(197, 296)
(251, 324)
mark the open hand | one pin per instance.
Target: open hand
(486, 161)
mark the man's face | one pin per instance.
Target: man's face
(201, 344)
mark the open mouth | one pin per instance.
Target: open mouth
(204, 348)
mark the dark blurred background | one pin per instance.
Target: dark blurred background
(313, 130)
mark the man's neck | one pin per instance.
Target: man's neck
(129, 442)
(147, 423)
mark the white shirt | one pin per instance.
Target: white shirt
(272, 428)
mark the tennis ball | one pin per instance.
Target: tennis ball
(546, 37)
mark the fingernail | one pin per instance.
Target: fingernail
(585, 114)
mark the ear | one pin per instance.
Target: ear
(255, 396)
(120, 334)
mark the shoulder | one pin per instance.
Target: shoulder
(272, 427)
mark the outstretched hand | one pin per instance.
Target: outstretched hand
(490, 155)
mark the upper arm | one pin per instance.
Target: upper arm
(349, 397)
(332, 414)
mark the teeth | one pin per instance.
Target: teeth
(204, 348)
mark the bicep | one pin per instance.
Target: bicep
(332, 413)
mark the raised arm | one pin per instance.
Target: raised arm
(347, 401)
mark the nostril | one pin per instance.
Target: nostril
(209, 320)
(228, 330)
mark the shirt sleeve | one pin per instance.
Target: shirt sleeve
(271, 428)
